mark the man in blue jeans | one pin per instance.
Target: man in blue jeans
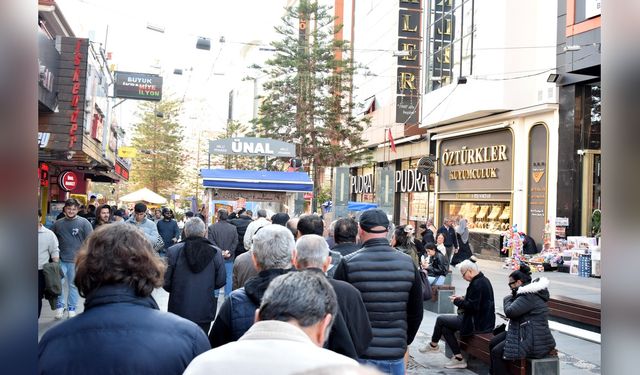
(225, 236)
(71, 231)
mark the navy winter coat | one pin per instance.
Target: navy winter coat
(528, 335)
(120, 333)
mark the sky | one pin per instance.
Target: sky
(208, 76)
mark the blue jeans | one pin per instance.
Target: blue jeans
(388, 366)
(69, 271)
(228, 268)
(433, 280)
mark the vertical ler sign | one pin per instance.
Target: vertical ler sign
(442, 37)
(408, 76)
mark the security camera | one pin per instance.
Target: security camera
(70, 154)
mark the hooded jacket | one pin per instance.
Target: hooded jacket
(120, 333)
(237, 313)
(241, 223)
(528, 335)
(195, 269)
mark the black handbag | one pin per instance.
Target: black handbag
(426, 287)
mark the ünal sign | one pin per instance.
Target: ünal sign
(252, 147)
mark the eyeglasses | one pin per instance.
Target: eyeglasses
(465, 272)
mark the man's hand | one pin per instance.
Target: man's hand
(226, 254)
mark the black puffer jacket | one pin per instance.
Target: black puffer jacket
(390, 287)
(479, 307)
(528, 335)
(241, 223)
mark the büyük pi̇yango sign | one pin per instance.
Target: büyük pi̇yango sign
(474, 163)
(250, 146)
(140, 86)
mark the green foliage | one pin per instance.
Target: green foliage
(307, 97)
(159, 162)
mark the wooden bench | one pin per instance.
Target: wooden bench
(477, 346)
(575, 312)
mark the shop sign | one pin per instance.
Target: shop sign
(411, 181)
(43, 174)
(252, 146)
(75, 93)
(68, 180)
(97, 127)
(127, 152)
(443, 35)
(121, 171)
(562, 222)
(48, 61)
(476, 163)
(139, 86)
(409, 62)
(362, 184)
(537, 186)
(248, 195)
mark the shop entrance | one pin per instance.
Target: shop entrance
(591, 192)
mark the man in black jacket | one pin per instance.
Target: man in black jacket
(241, 223)
(225, 236)
(351, 331)
(345, 233)
(392, 295)
(194, 270)
(450, 238)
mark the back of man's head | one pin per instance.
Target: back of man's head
(272, 247)
(312, 251)
(305, 298)
(249, 213)
(311, 224)
(223, 214)
(280, 218)
(292, 225)
(346, 230)
(188, 214)
(262, 213)
(140, 207)
(194, 227)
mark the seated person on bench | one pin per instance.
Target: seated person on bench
(478, 314)
(528, 335)
(437, 266)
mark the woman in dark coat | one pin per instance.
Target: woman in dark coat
(464, 250)
(528, 335)
(122, 330)
(437, 267)
(479, 315)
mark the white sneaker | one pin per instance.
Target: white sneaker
(428, 348)
(59, 313)
(72, 313)
(456, 363)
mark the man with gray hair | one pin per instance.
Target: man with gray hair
(195, 270)
(253, 227)
(271, 253)
(351, 331)
(291, 326)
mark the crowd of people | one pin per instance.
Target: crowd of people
(299, 296)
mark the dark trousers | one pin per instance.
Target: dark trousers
(205, 327)
(447, 325)
(449, 252)
(41, 287)
(496, 347)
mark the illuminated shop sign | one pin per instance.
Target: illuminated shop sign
(362, 184)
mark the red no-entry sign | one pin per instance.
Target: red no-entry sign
(68, 180)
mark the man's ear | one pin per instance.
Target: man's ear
(327, 262)
(322, 332)
(255, 262)
(256, 318)
(294, 260)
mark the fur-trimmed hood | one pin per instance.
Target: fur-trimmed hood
(539, 286)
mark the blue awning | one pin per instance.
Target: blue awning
(256, 180)
(360, 206)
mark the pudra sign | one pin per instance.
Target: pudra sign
(250, 146)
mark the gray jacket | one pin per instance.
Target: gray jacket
(149, 228)
(528, 335)
(225, 236)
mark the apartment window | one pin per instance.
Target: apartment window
(450, 42)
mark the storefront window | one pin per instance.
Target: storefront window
(487, 217)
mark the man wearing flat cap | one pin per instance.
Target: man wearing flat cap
(391, 290)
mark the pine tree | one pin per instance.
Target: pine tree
(307, 95)
(158, 139)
